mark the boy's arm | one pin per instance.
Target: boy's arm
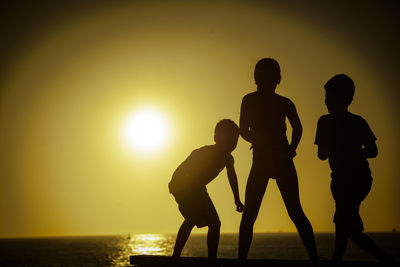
(244, 124)
(322, 152)
(230, 169)
(320, 140)
(296, 125)
(370, 150)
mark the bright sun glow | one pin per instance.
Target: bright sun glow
(146, 130)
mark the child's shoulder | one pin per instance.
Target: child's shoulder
(255, 95)
(359, 121)
(203, 149)
(355, 116)
(284, 99)
(344, 116)
(325, 117)
(324, 121)
(250, 96)
(354, 119)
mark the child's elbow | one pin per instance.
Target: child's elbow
(371, 151)
(322, 155)
(373, 154)
(298, 128)
(245, 134)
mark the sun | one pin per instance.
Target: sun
(146, 130)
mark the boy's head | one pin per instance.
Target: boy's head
(339, 92)
(226, 135)
(267, 73)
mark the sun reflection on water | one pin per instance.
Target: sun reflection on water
(151, 244)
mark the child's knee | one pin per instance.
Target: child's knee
(188, 223)
(215, 223)
(249, 217)
(297, 216)
(357, 234)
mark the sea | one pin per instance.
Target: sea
(88, 251)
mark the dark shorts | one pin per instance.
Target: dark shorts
(196, 206)
(348, 197)
(272, 165)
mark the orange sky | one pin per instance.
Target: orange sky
(71, 83)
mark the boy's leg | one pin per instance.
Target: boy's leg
(182, 237)
(289, 188)
(209, 217)
(369, 246)
(255, 189)
(348, 222)
(341, 239)
(213, 238)
(357, 236)
(341, 193)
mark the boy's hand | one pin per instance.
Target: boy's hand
(239, 206)
(292, 152)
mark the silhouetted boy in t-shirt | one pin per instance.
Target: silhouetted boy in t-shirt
(347, 141)
(188, 186)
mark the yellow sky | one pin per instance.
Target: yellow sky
(66, 169)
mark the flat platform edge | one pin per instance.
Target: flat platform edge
(158, 260)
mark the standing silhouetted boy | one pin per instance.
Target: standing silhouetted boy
(347, 141)
(263, 123)
(188, 186)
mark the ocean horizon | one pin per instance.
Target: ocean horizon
(114, 250)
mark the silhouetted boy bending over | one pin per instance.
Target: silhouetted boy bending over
(188, 186)
(262, 123)
(347, 141)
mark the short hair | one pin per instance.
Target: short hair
(267, 68)
(342, 86)
(226, 126)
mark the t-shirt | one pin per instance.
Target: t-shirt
(200, 168)
(344, 135)
(266, 116)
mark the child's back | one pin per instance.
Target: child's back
(198, 169)
(345, 134)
